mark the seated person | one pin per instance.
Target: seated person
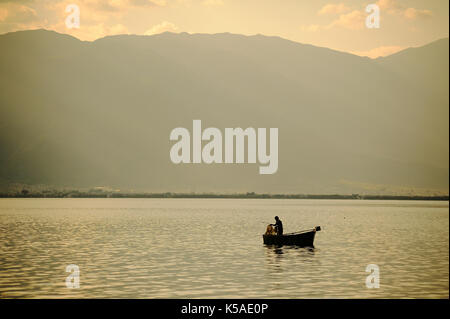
(278, 226)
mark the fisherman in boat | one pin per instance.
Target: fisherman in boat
(278, 226)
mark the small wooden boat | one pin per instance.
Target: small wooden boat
(304, 238)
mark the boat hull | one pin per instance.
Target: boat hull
(303, 239)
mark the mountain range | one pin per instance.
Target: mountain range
(84, 114)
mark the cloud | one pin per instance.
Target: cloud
(15, 13)
(118, 29)
(91, 32)
(412, 13)
(393, 7)
(3, 14)
(311, 28)
(99, 18)
(110, 6)
(116, 5)
(213, 3)
(333, 9)
(354, 20)
(380, 51)
(390, 6)
(140, 3)
(162, 27)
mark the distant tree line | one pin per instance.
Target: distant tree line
(99, 194)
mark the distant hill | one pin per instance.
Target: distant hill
(84, 114)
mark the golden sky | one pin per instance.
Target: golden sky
(338, 25)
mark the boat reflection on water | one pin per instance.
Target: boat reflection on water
(279, 256)
(281, 250)
(278, 250)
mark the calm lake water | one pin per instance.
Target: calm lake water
(212, 248)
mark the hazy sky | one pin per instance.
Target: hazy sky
(335, 24)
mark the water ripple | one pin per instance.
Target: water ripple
(194, 248)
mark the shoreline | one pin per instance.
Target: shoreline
(76, 194)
